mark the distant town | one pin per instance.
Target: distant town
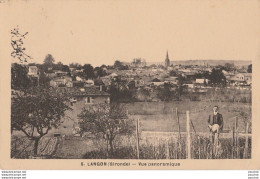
(135, 81)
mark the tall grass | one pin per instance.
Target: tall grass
(173, 148)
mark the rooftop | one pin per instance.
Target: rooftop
(87, 91)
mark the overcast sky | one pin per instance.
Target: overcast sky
(100, 32)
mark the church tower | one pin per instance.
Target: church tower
(167, 60)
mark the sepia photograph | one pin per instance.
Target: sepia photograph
(131, 80)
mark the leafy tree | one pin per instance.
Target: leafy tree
(65, 68)
(217, 77)
(107, 121)
(99, 72)
(58, 66)
(36, 111)
(173, 73)
(120, 92)
(120, 66)
(165, 94)
(103, 66)
(49, 60)
(180, 88)
(17, 44)
(75, 65)
(19, 78)
(249, 68)
(229, 66)
(117, 64)
(143, 94)
(88, 71)
(43, 79)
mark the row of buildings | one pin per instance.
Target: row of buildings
(137, 76)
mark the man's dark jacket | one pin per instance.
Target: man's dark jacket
(217, 119)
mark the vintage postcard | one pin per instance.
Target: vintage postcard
(130, 84)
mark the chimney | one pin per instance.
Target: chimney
(100, 88)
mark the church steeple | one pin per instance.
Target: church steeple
(167, 60)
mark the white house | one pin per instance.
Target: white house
(33, 71)
(202, 81)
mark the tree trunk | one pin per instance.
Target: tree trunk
(35, 149)
(111, 147)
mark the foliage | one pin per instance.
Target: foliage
(120, 66)
(19, 78)
(119, 92)
(143, 94)
(229, 67)
(217, 77)
(17, 44)
(36, 111)
(173, 73)
(164, 93)
(180, 88)
(249, 69)
(99, 72)
(88, 71)
(43, 79)
(75, 65)
(49, 60)
(105, 120)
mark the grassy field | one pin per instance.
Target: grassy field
(154, 116)
(161, 116)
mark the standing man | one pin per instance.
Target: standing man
(215, 126)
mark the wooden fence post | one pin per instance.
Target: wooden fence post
(137, 138)
(179, 135)
(236, 138)
(179, 127)
(233, 142)
(188, 152)
(167, 149)
(246, 142)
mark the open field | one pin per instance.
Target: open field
(161, 116)
(156, 118)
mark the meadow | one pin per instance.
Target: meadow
(154, 117)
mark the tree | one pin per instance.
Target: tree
(107, 121)
(43, 79)
(19, 78)
(99, 72)
(49, 60)
(165, 94)
(120, 66)
(88, 71)
(229, 66)
(249, 68)
(173, 73)
(180, 88)
(58, 66)
(65, 68)
(143, 94)
(17, 44)
(117, 64)
(36, 111)
(217, 77)
(75, 65)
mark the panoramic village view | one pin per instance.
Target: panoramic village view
(129, 110)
